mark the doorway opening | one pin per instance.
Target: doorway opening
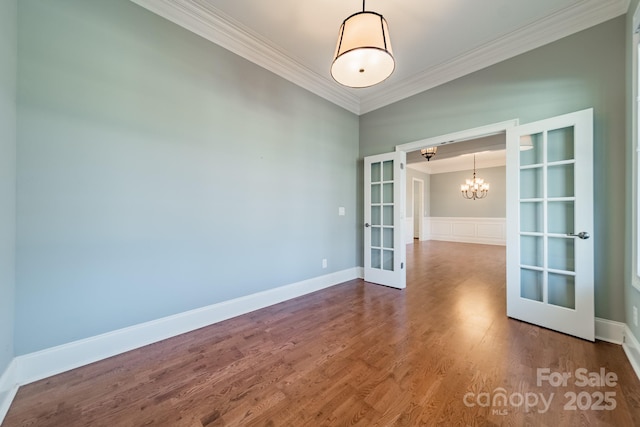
(446, 214)
(548, 216)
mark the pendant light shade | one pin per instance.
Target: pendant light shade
(526, 143)
(363, 55)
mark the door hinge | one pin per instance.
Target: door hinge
(401, 166)
(401, 265)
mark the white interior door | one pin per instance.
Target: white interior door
(384, 205)
(549, 222)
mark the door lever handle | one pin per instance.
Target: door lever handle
(367, 224)
(581, 235)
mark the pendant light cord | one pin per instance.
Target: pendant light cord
(363, 5)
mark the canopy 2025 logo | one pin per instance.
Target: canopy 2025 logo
(596, 400)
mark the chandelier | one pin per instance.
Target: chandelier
(363, 55)
(474, 188)
(428, 153)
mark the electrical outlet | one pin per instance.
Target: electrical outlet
(635, 315)
(324, 263)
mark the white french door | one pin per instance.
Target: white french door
(549, 222)
(384, 205)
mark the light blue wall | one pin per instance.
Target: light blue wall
(159, 173)
(446, 200)
(8, 55)
(584, 70)
(632, 295)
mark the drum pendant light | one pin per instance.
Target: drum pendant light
(363, 55)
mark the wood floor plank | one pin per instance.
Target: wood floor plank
(355, 354)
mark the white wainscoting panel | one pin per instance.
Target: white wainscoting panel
(425, 233)
(488, 231)
(463, 229)
(408, 230)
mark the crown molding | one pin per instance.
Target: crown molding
(212, 24)
(219, 28)
(547, 30)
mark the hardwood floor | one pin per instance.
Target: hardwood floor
(441, 352)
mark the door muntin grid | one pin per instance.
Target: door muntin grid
(547, 215)
(382, 225)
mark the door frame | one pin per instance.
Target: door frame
(420, 183)
(506, 127)
(463, 135)
(452, 138)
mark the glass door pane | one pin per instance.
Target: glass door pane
(377, 213)
(547, 214)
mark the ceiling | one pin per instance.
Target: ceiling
(490, 151)
(434, 41)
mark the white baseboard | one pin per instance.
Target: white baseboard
(609, 331)
(51, 361)
(631, 347)
(8, 388)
